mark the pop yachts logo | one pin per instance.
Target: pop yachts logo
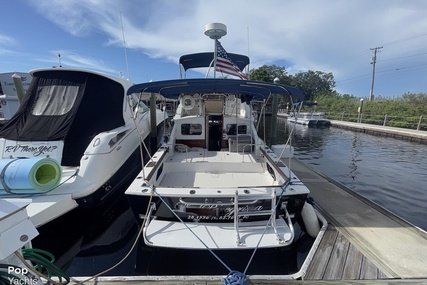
(20, 276)
(35, 150)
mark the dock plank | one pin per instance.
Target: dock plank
(338, 259)
(335, 267)
(317, 267)
(368, 270)
(353, 264)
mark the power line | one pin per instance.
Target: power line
(405, 39)
(404, 56)
(350, 58)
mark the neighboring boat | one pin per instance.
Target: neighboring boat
(314, 119)
(75, 141)
(215, 184)
(10, 97)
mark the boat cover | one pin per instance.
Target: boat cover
(249, 89)
(205, 59)
(67, 105)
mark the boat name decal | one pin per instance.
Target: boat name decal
(39, 150)
(227, 212)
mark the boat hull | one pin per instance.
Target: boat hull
(116, 184)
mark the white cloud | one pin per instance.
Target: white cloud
(73, 59)
(5, 43)
(331, 36)
(6, 40)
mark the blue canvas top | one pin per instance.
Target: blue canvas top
(252, 90)
(204, 59)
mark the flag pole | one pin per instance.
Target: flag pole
(215, 31)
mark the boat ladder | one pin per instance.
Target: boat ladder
(239, 201)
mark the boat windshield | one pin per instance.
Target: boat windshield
(138, 105)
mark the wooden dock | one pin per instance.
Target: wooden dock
(370, 243)
(338, 259)
(363, 244)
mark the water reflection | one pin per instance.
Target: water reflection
(388, 171)
(87, 241)
(356, 150)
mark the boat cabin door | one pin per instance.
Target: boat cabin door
(214, 132)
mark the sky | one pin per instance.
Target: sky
(142, 40)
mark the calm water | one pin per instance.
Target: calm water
(388, 171)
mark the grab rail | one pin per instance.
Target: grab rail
(275, 166)
(144, 231)
(182, 201)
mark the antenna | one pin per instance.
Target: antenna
(124, 46)
(215, 31)
(59, 58)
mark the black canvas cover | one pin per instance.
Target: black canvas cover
(68, 105)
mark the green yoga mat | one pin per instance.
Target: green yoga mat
(30, 174)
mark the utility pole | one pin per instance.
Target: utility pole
(374, 60)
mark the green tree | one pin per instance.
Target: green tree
(268, 73)
(313, 83)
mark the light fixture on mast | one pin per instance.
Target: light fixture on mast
(215, 31)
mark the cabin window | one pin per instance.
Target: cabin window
(231, 129)
(191, 129)
(54, 100)
(142, 108)
(138, 105)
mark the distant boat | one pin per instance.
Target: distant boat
(74, 142)
(314, 119)
(9, 99)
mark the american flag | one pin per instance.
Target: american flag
(225, 64)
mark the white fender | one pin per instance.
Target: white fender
(310, 220)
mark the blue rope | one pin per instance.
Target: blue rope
(235, 278)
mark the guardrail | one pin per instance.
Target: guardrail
(416, 122)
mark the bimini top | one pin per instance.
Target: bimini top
(204, 59)
(251, 90)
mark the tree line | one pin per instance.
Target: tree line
(320, 86)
